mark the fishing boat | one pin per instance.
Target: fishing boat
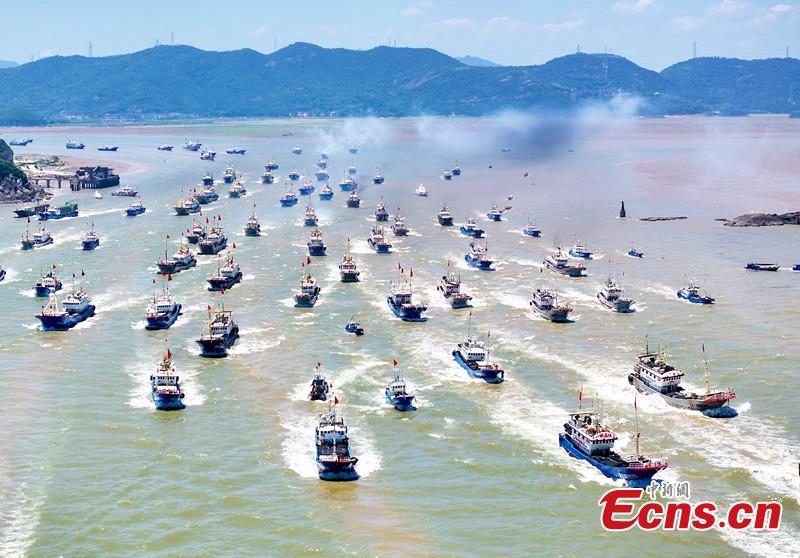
(476, 257)
(322, 163)
(495, 213)
(181, 260)
(755, 266)
(353, 200)
(354, 327)
(692, 293)
(307, 188)
(228, 275)
(190, 145)
(348, 270)
(197, 232)
(611, 296)
(447, 174)
(531, 230)
(2, 273)
(456, 170)
(297, 150)
(444, 217)
(471, 229)
(97, 195)
(450, 287)
(586, 437)
(237, 190)
(207, 195)
(162, 311)
(579, 250)
(472, 355)
(378, 178)
(214, 242)
(76, 307)
(320, 387)
(236, 151)
(29, 210)
(229, 176)
(316, 245)
(267, 178)
(397, 394)
(20, 142)
(322, 174)
(326, 194)
(135, 208)
(381, 213)
(126, 192)
(208, 155)
(187, 206)
(272, 165)
(90, 240)
(352, 150)
(352, 170)
(66, 209)
(421, 191)
(165, 386)
(222, 334)
(634, 253)
(400, 301)
(545, 303)
(47, 284)
(207, 180)
(653, 374)
(334, 462)
(399, 227)
(348, 184)
(294, 175)
(253, 226)
(559, 262)
(108, 147)
(796, 267)
(75, 145)
(307, 293)
(165, 147)
(289, 199)
(377, 241)
(310, 218)
(40, 238)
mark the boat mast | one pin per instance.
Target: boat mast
(636, 414)
(707, 377)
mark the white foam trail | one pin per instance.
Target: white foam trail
(19, 516)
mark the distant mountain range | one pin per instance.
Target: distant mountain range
(177, 82)
(7, 64)
(476, 61)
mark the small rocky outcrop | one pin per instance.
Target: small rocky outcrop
(663, 218)
(14, 184)
(764, 219)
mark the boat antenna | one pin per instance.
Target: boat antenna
(636, 414)
(647, 343)
(707, 377)
(469, 324)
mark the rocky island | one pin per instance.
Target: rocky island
(14, 184)
(764, 219)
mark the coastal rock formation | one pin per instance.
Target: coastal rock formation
(764, 219)
(14, 184)
(662, 218)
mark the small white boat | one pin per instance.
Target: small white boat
(421, 191)
(98, 196)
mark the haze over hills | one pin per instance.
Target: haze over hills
(186, 82)
(476, 61)
(7, 64)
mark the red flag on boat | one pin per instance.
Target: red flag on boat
(29, 219)
(222, 291)
(634, 403)
(395, 362)
(82, 273)
(448, 263)
(209, 307)
(234, 246)
(335, 399)
(580, 395)
(206, 220)
(302, 264)
(412, 272)
(219, 217)
(703, 347)
(92, 224)
(73, 275)
(488, 334)
(169, 277)
(167, 237)
(308, 261)
(154, 280)
(319, 364)
(169, 354)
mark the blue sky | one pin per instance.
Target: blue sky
(652, 33)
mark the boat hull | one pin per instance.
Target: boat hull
(488, 376)
(483, 265)
(349, 277)
(90, 244)
(211, 248)
(636, 478)
(407, 314)
(42, 291)
(217, 347)
(338, 471)
(288, 203)
(379, 247)
(65, 321)
(220, 283)
(162, 320)
(134, 212)
(252, 232)
(171, 402)
(401, 402)
(534, 234)
(709, 408)
(326, 197)
(174, 267)
(620, 306)
(472, 233)
(317, 250)
(568, 271)
(446, 221)
(695, 299)
(560, 317)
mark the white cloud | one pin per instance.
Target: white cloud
(729, 8)
(260, 31)
(636, 6)
(411, 11)
(568, 25)
(777, 11)
(503, 23)
(687, 23)
(457, 22)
